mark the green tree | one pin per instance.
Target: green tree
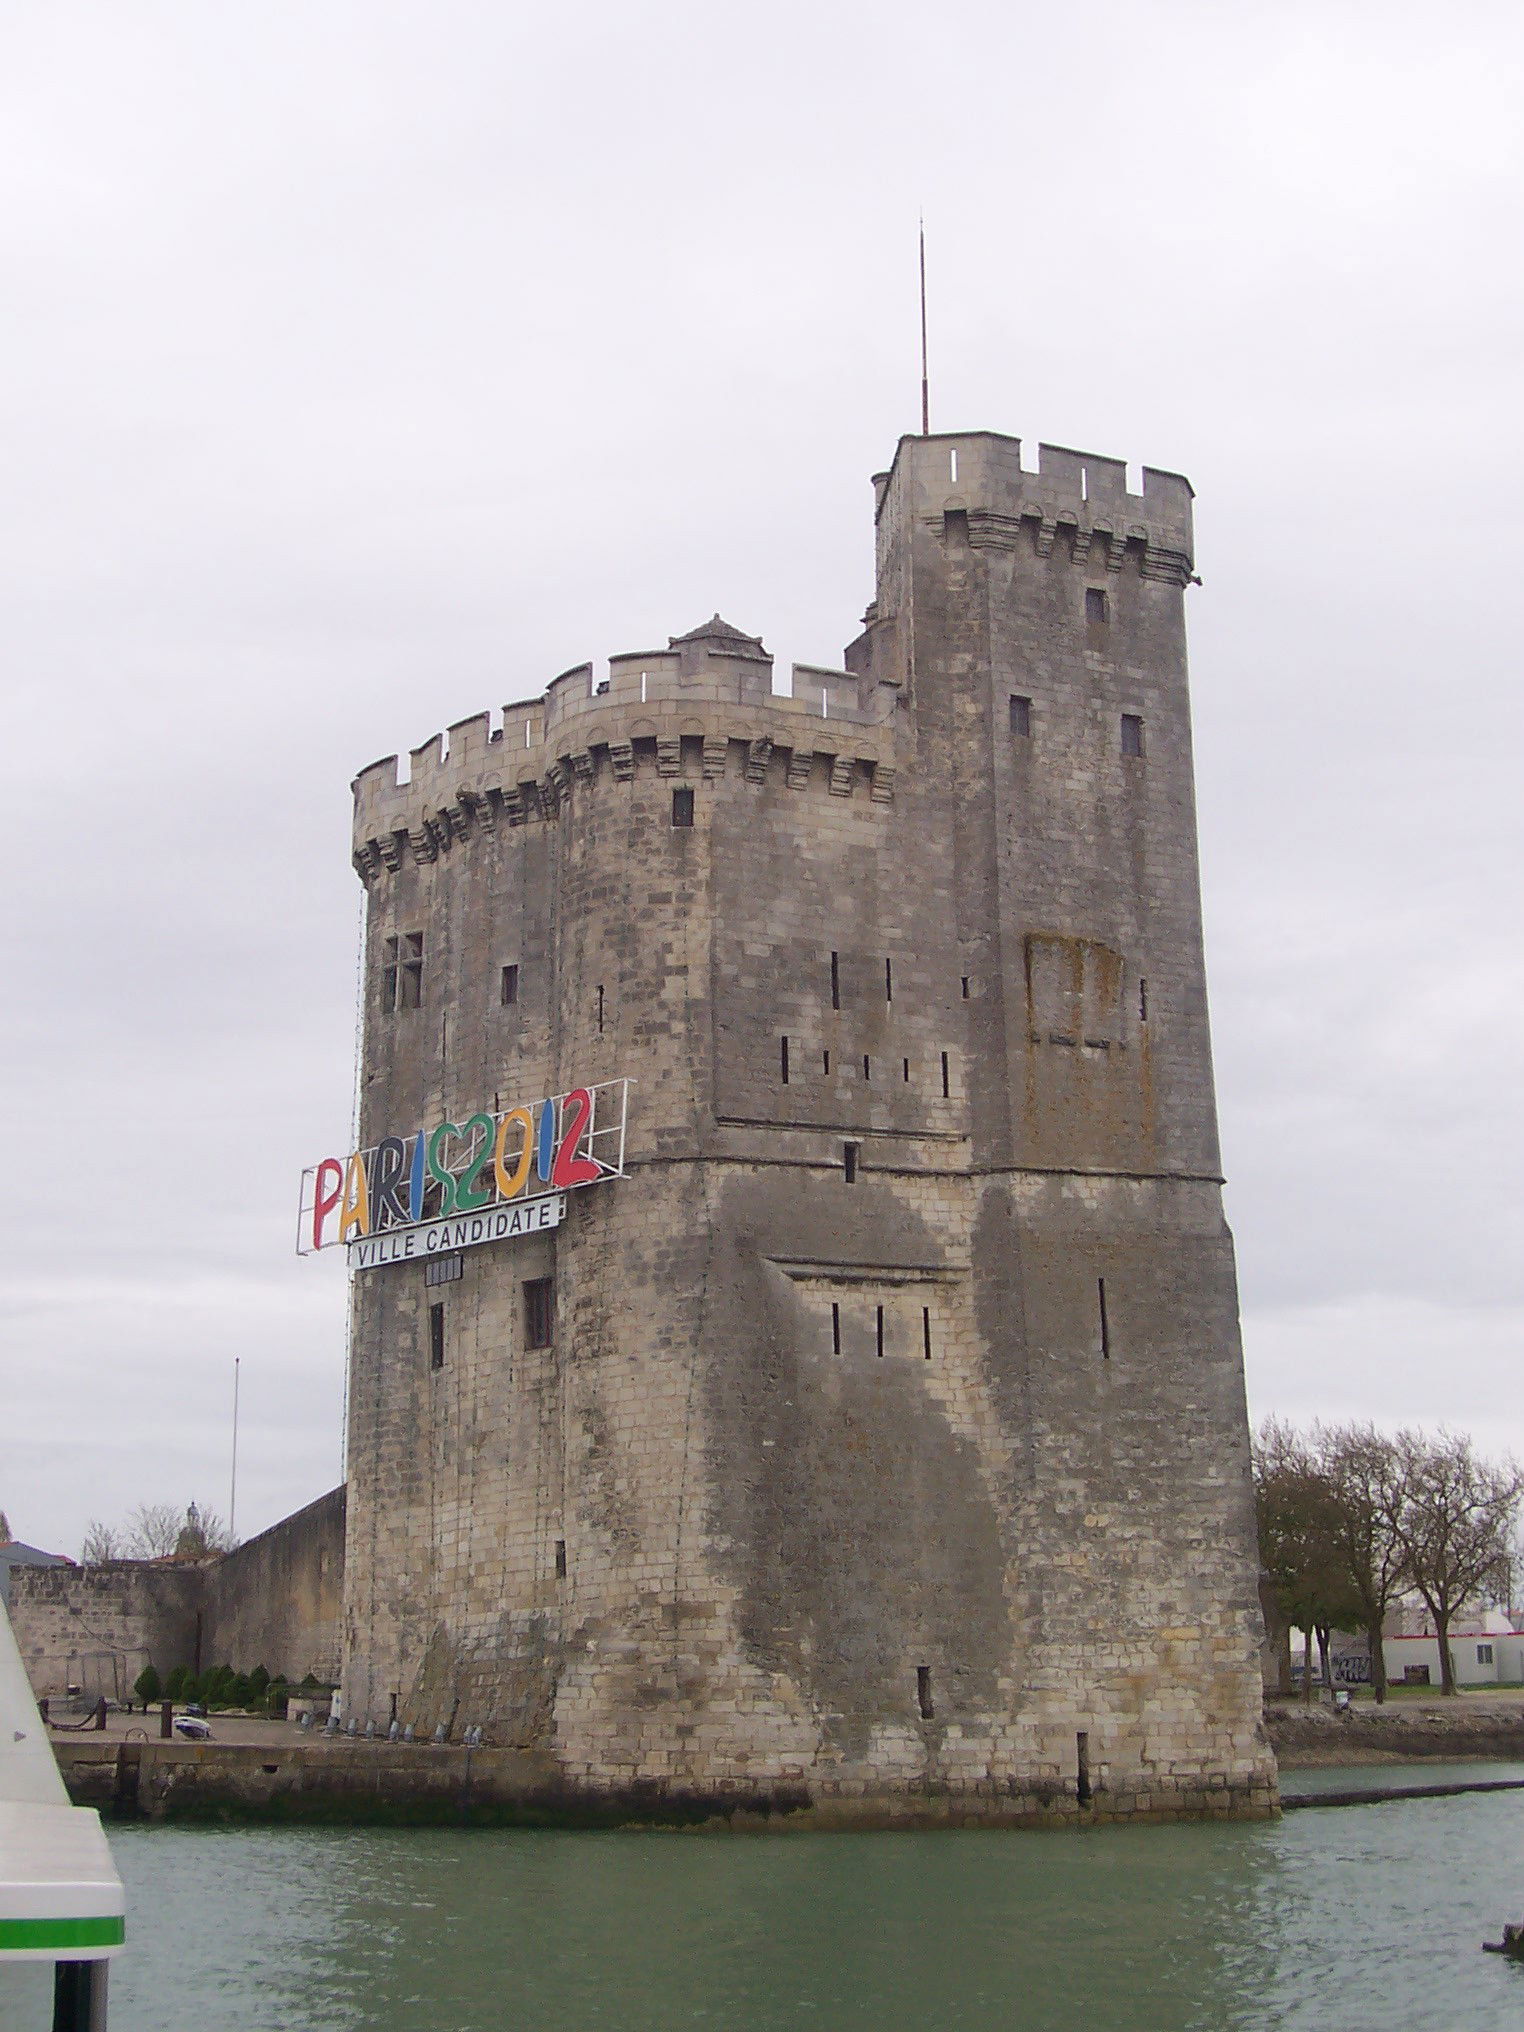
(1298, 1514)
(147, 1687)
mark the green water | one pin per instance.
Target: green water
(1364, 1918)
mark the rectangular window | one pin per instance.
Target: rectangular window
(1082, 1759)
(1100, 1292)
(508, 990)
(888, 980)
(879, 1327)
(923, 1692)
(783, 1058)
(1021, 717)
(850, 1152)
(867, 1067)
(436, 1336)
(835, 1328)
(835, 980)
(682, 807)
(560, 1559)
(539, 1312)
(443, 1269)
(1097, 605)
(965, 987)
(402, 972)
(825, 1063)
(1132, 734)
(946, 1078)
(905, 1065)
(1484, 1654)
(926, 1331)
(1142, 1001)
(600, 1008)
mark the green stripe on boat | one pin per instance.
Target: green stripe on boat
(62, 1933)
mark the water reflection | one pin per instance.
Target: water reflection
(1363, 1917)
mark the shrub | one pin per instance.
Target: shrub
(147, 1686)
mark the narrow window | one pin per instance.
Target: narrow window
(389, 977)
(952, 463)
(436, 1336)
(965, 987)
(835, 980)
(1097, 605)
(600, 1008)
(1132, 734)
(1021, 717)
(835, 1328)
(783, 1058)
(682, 807)
(849, 1156)
(825, 1063)
(867, 1067)
(946, 1078)
(879, 1327)
(410, 981)
(1484, 1654)
(923, 1692)
(905, 1064)
(1082, 1749)
(560, 1559)
(1142, 1001)
(508, 991)
(926, 1331)
(1100, 1292)
(888, 980)
(539, 1312)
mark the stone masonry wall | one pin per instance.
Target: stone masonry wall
(275, 1601)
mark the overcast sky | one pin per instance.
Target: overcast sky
(365, 365)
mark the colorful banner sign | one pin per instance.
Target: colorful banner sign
(481, 1180)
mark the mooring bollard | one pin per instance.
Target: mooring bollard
(100, 1712)
(167, 1720)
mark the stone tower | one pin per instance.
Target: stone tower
(875, 1448)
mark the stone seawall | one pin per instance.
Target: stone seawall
(1394, 1733)
(379, 1783)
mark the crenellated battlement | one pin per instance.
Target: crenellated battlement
(1078, 496)
(707, 700)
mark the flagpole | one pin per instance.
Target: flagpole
(925, 383)
(233, 1484)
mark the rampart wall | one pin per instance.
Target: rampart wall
(275, 1602)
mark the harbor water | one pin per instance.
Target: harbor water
(1359, 1917)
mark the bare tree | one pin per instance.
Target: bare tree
(1357, 1463)
(102, 1542)
(152, 1529)
(1453, 1515)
